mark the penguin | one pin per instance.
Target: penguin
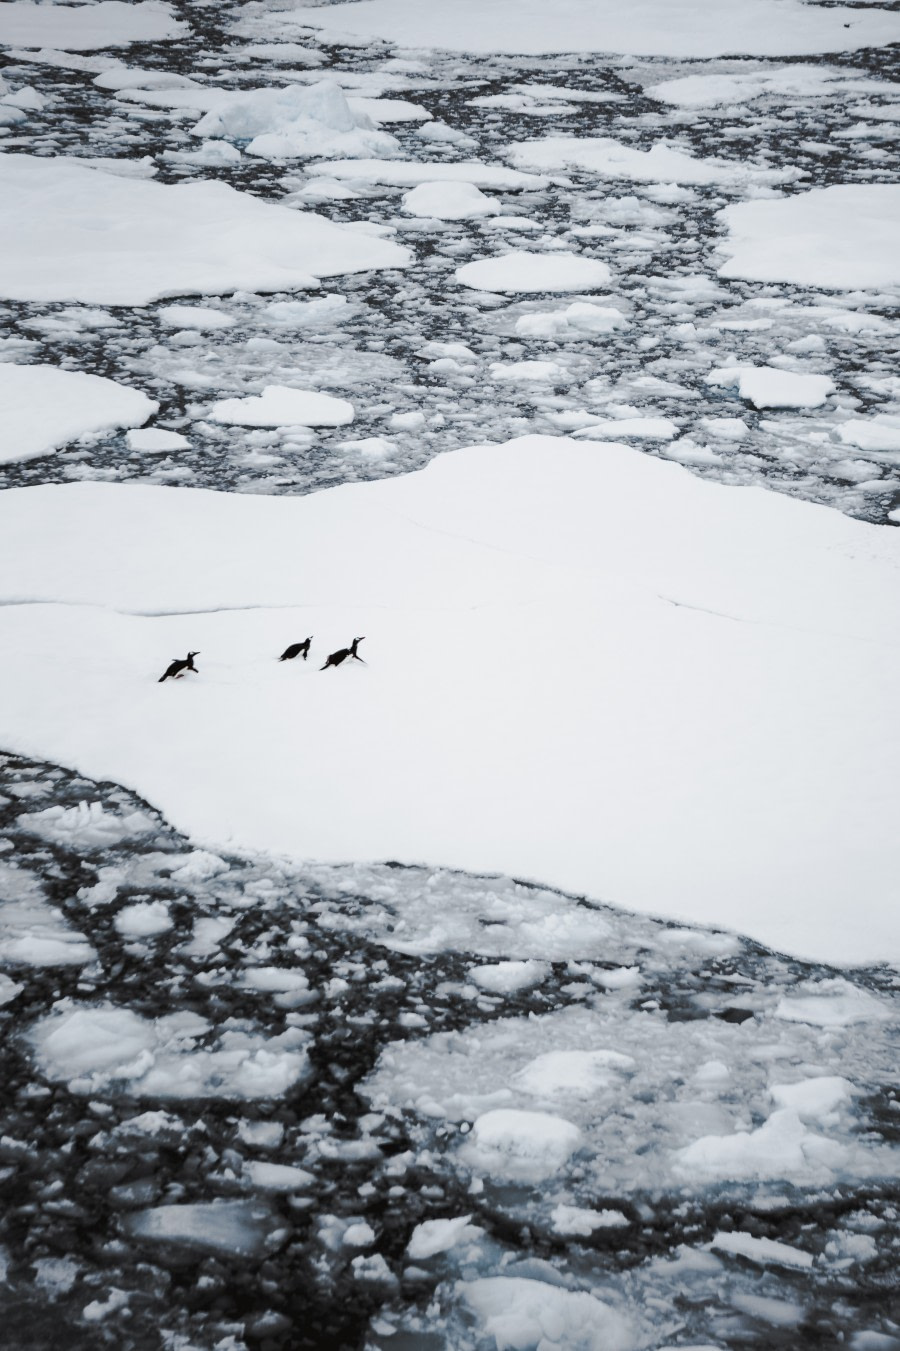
(177, 668)
(342, 654)
(296, 650)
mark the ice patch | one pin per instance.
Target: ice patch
(103, 1050)
(449, 201)
(233, 1228)
(831, 1003)
(507, 977)
(88, 27)
(662, 163)
(438, 1236)
(770, 387)
(129, 242)
(533, 1316)
(841, 237)
(44, 407)
(519, 1146)
(280, 406)
(33, 933)
(86, 826)
(522, 272)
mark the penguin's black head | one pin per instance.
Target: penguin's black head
(193, 654)
(359, 640)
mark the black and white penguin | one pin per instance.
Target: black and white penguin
(342, 654)
(178, 668)
(296, 650)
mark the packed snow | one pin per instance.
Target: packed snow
(783, 631)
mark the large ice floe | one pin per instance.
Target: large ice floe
(87, 27)
(43, 407)
(645, 28)
(127, 242)
(662, 163)
(839, 238)
(640, 673)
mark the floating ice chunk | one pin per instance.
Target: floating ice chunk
(813, 1099)
(831, 1003)
(642, 428)
(571, 1073)
(840, 237)
(281, 406)
(360, 1235)
(769, 387)
(521, 1146)
(533, 1316)
(156, 441)
(580, 317)
(408, 173)
(781, 1148)
(662, 163)
(439, 1236)
(209, 153)
(273, 979)
(144, 919)
(727, 428)
(528, 370)
(43, 407)
(234, 1228)
(261, 1134)
(88, 27)
(764, 1251)
(449, 201)
(440, 132)
(199, 317)
(282, 53)
(134, 77)
(620, 978)
(8, 988)
(101, 1049)
(186, 239)
(299, 120)
(87, 826)
(881, 432)
(797, 81)
(33, 933)
(381, 110)
(199, 866)
(579, 1223)
(506, 977)
(277, 1177)
(523, 272)
(307, 313)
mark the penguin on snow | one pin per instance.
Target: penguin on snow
(342, 654)
(177, 668)
(296, 650)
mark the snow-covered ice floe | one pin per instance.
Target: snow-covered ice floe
(662, 163)
(44, 407)
(664, 749)
(33, 932)
(129, 242)
(839, 238)
(644, 28)
(523, 272)
(87, 27)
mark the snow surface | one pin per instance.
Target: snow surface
(645, 28)
(734, 621)
(129, 242)
(45, 407)
(87, 27)
(838, 237)
(409, 173)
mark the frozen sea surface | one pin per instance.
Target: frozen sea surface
(272, 1123)
(420, 354)
(251, 1105)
